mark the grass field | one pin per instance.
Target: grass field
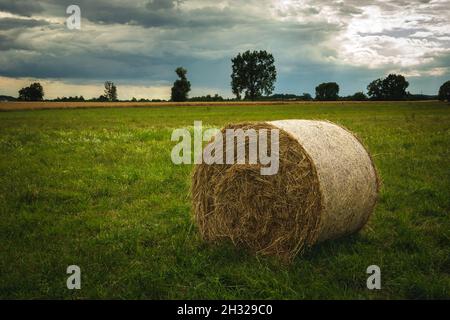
(96, 188)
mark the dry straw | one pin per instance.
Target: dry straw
(326, 187)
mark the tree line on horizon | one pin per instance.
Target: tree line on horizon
(253, 78)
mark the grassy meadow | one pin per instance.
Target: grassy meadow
(97, 188)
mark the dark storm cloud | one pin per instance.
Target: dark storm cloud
(21, 7)
(148, 17)
(151, 13)
(208, 17)
(161, 4)
(98, 63)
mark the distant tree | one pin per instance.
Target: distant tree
(393, 87)
(307, 97)
(207, 98)
(287, 96)
(69, 99)
(421, 97)
(102, 98)
(181, 87)
(217, 97)
(34, 92)
(134, 99)
(328, 91)
(254, 73)
(110, 91)
(444, 92)
(358, 96)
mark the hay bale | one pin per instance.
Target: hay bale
(326, 187)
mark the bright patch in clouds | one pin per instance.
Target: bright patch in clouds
(376, 38)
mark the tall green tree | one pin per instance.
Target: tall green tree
(110, 91)
(328, 91)
(181, 87)
(393, 87)
(254, 74)
(34, 92)
(444, 92)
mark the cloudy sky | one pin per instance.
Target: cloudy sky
(138, 44)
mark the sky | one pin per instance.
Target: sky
(138, 44)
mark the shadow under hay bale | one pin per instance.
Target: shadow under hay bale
(326, 187)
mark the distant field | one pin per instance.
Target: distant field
(9, 106)
(20, 105)
(96, 188)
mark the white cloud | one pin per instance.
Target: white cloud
(379, 38)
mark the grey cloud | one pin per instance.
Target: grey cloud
(438, 60)
(21, 7)
(72, 66)
(149, 14)
(311, 10)
(395, 33)
(8, 43)
(161, 4)
(15, 23)
(346, 9)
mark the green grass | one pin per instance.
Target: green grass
(97, 188)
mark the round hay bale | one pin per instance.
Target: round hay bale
(326, 187)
